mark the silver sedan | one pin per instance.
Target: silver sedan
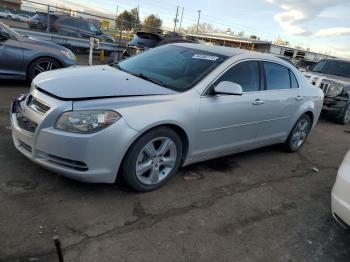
(168, 107)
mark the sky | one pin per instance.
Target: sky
(321, 25)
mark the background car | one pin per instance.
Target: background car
(24, 58)
(341, 194)
(305, 65)
(287, 59)
(144, 40)
(79, 27)
(22, 17)
(39, 21)
(333, 77)
(4, 13)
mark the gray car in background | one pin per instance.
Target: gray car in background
(24, 58)
(167, 107)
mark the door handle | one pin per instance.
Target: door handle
(299, 98)
(258, 102)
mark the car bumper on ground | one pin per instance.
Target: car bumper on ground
(341, 194)
(91, 158)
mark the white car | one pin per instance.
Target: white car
(341, 194)
(6, 14)
(21, 17)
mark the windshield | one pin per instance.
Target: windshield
(93, 28)
(333, 67)
(174, 67)
(8, 30)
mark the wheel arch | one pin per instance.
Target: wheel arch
(177, 128)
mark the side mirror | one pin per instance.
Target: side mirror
(228, 88)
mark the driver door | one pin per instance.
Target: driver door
(11, 57)
(229, 123)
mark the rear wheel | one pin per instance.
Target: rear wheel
(299, 133)
(345, 116)
(152, 160)
(42, 65)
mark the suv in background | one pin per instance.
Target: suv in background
(39, 21)
(305, 65)
(79, 27)
(333, 77)
(144, 40)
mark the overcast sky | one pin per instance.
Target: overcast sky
(318, 24)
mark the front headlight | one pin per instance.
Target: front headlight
(86, 122)
(335, 89)
(69, 54)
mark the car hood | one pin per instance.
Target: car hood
(37, 42)
(315, 77)
(81, 83)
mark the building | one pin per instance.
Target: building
(11, 4)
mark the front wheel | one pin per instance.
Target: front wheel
(299, 133)
(152, 160)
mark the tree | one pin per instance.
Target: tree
(202, 28)
(152, 23)
(253, 37)
(128, 20)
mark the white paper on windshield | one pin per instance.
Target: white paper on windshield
(205, 57)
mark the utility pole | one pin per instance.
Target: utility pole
(177, 13)
(116, 18)
(182, 15)
(199, 16)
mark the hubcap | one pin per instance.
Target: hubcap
(300, 133)
(156, 161)
(43, 67)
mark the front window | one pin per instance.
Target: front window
(93, 28)
(333, 67)
(174, 67)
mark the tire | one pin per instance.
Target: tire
(345, 115)
(294, 141)
(42, 65)
(9, 18)
(139, 158)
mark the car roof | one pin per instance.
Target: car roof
(230, 51)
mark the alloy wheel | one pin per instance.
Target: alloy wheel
(156, 160)
(44, 66)
(300, 133)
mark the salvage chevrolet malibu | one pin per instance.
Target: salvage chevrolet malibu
(168, 107)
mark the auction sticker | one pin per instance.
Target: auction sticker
(205, 57)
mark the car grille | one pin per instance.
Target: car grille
(25, 123)
(37, 105)
(325, 88)
(76, 165)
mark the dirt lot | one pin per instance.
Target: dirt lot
(263, 205)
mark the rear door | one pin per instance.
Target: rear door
(281, 100)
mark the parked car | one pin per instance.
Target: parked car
(341, 194)
(39, 21)
(4, 13)
(333, 77)
(285, 58)
(143, 41)
(24, 58)
(79, 27)
(22, 17)
(168, 107)
(305, 65)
